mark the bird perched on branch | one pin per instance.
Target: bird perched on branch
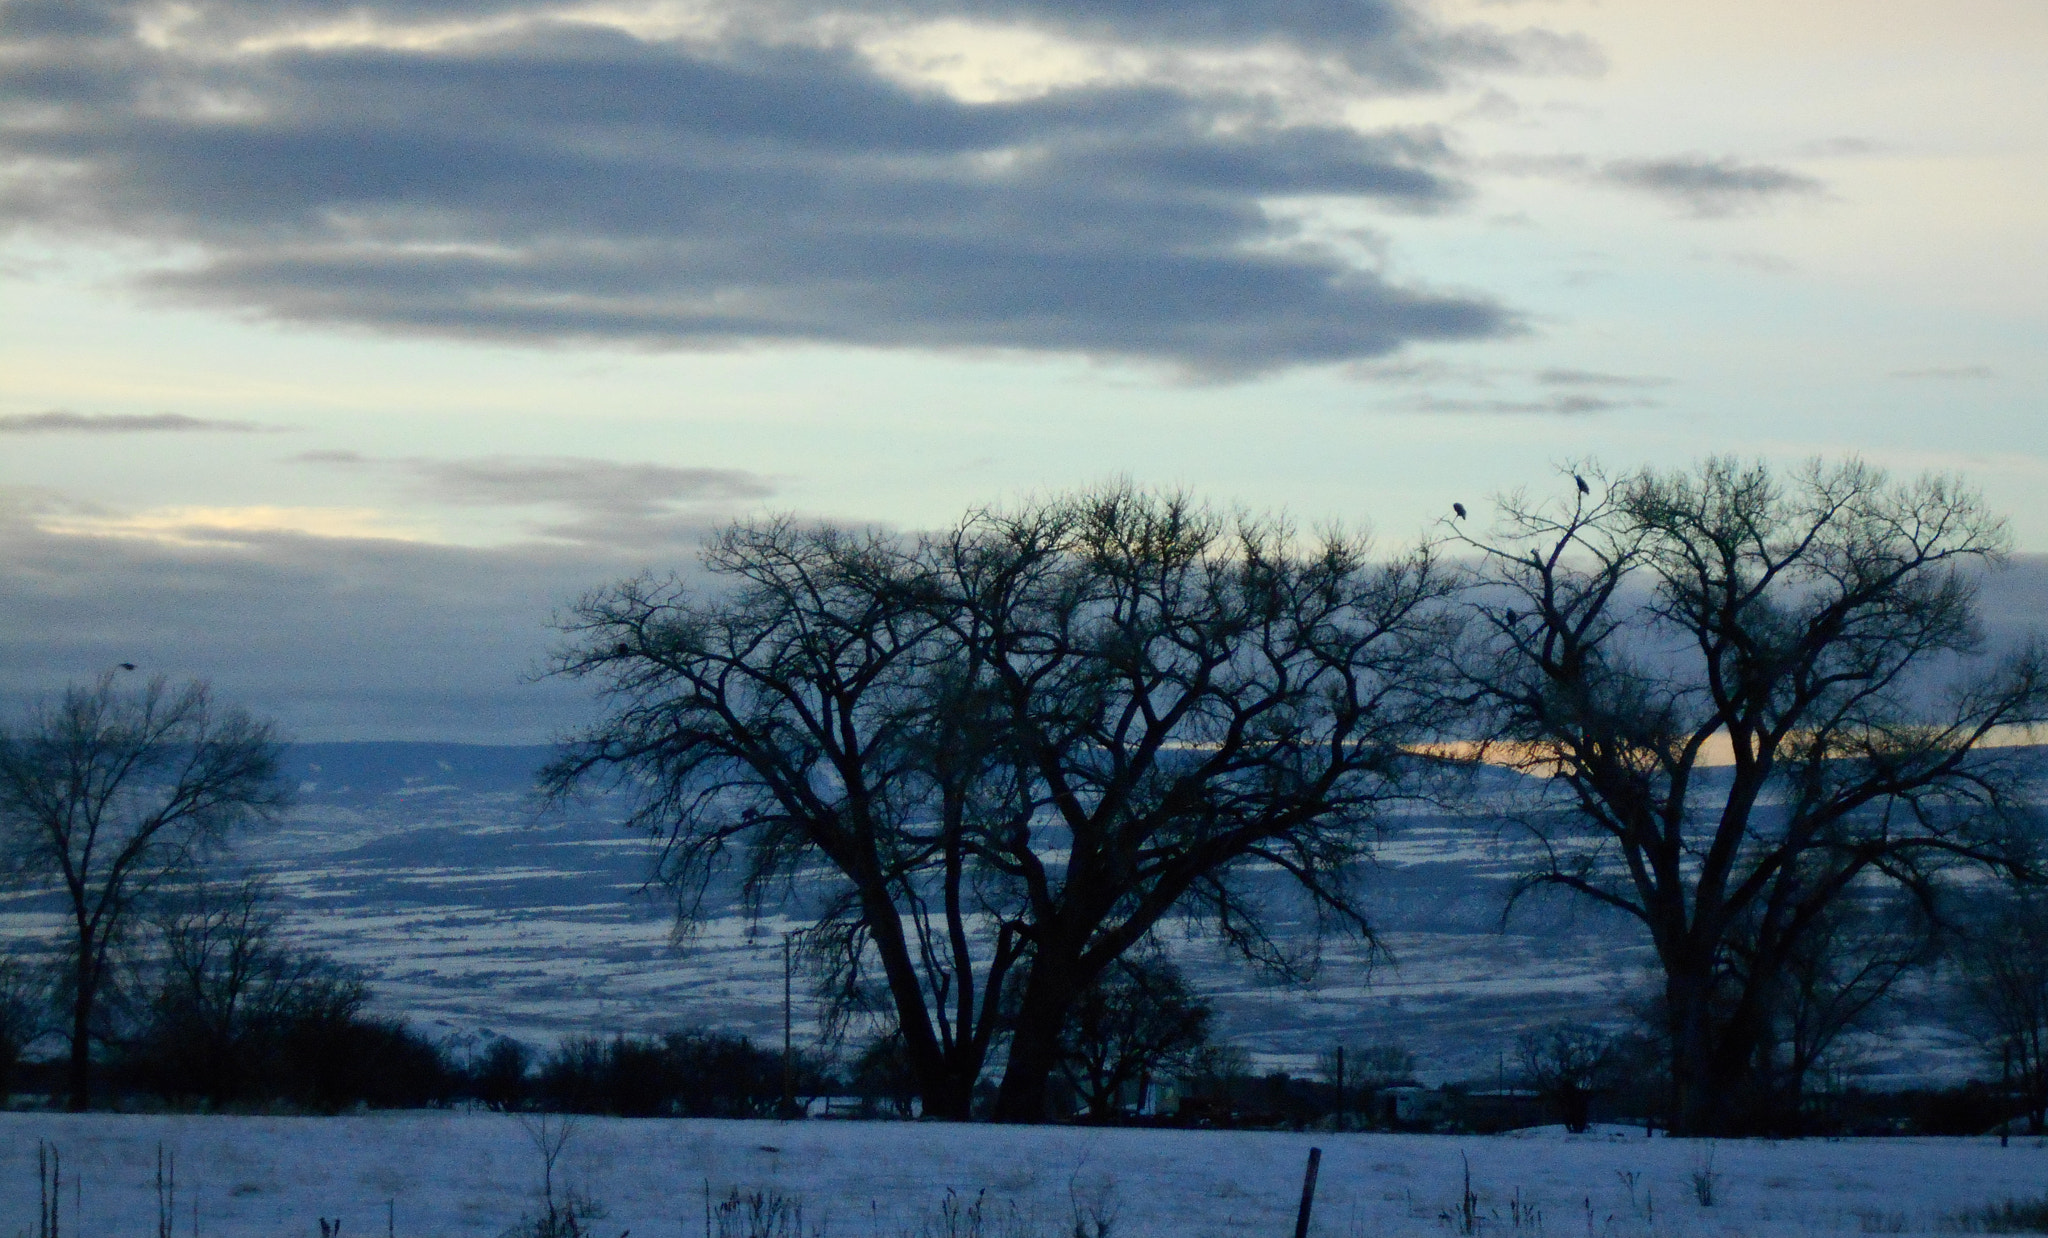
(1583, 487)
(1458, 509)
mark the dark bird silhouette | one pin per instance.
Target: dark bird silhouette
(1459, 510)
(1583, 487)
(127, 666)
(1511, 616)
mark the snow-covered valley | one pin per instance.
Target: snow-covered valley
(433, 867)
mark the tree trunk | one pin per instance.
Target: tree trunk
(1698, 1098)
(79, 1076)
(1035, 1041)
(1578, 1110)
(1717, 1086)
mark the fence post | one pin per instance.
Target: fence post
(1308, 1192)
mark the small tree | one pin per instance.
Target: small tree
(881, 1072)
(2002, 966)
(498, 1076)
(23, 998)
(1139, 1020)
(222, 990)
(106, 795)
(1835, 981)
(1566, 1064)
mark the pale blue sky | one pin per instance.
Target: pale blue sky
(880, 260)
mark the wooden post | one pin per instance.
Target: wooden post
(788, 1037)
(1340, 1087)
(1308, 1192)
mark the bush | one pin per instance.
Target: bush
(230, 1014)
(2011, 1216)
(692, 1073)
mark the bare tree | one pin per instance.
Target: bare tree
(1566, 1064)
(2002, 965)
(24, 995)
(1138, 1020)
(1834, 981)
(1018, 747)
(106, 794)
(1743, 690)
(223, 986)
(788, 718)
(1188, 696)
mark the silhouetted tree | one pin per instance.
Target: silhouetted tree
(1138, 1020)
(498, 1076)
(2002, 970)
(881, 1072)
(105, 795)
(24, 995)
(1834, 981)
(222, 989)
(1566, 1064)
(1028, 741)
(1741, 689)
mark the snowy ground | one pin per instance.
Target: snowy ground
(472, 1174)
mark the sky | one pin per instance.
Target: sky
(341, 345)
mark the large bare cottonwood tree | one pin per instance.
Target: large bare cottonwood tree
(1749, 694)
(1018, 747)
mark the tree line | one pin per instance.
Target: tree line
(1749, 710)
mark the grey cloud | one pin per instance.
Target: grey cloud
(1396, 44)
(1593, 378)
(61, 421)
(1567, 403)
(1710, 187)
(604, 487)
(1946, 371)
(336, 638)
(610, 502)
(572, 184)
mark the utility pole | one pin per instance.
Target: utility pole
(788, 1029)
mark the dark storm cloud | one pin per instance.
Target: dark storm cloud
(62, 421)
(1710, 187)
(570, 183)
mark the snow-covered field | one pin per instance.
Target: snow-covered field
(473, 1174)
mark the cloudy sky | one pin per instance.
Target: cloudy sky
(339, 343)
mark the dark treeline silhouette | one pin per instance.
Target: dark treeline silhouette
(695, 1073)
